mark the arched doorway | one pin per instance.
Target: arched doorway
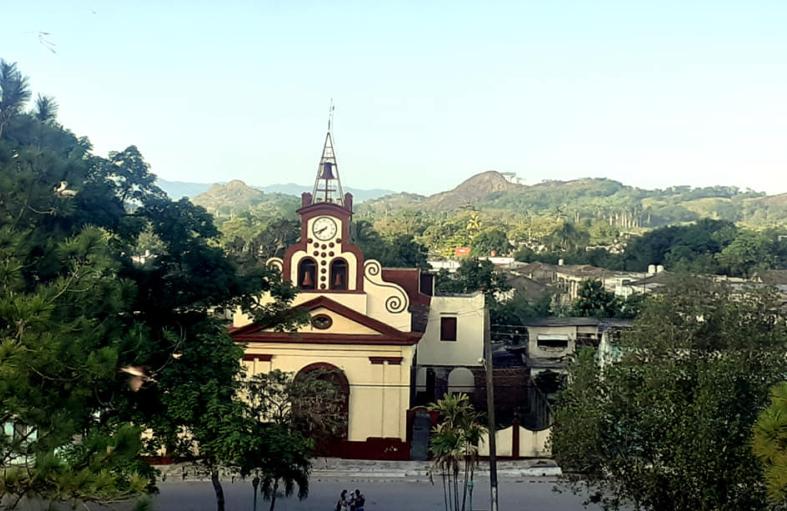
(329, 445)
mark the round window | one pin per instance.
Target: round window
(322, 321)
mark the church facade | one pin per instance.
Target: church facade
(381, 331)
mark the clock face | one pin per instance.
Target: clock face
(324, 228)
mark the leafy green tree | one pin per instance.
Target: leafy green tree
(60, 342)
(94, 345)
(404, 252)
(288, 416)
(276, 237)
(689, 248)
(666, 426)
(749, 252)
(491, 241)
(518, 309)
(595, 301)
(770, 443)
(473, 275)
(567, 237)
(401, 251)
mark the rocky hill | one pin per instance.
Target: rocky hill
(594, 199)
(178, 189)
(473, 190)
(589, 199)
(235, 195)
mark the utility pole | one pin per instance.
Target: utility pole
(490, 405)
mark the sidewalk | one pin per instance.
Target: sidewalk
(336, 468)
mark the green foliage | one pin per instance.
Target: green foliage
(400, 251)
(492, 241)
(749, 252)
(518, 309)
(689, 248)
(595, 301)
(287, 417)
(770, 443)
(14, 92)
(78, 316)
(454, 446)
(667, 425)
(473, 275)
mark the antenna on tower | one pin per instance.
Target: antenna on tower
(330, 115)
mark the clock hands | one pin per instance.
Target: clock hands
(319, 231)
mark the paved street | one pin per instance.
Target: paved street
(517, 494)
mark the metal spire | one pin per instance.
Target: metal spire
(327, 185)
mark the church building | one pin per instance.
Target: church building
(390, 342)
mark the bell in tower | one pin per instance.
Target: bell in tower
(328, 186)
(327, 171)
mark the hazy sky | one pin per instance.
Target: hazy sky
(427, 93)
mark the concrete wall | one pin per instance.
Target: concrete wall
(468, 349)
(518, 442)
(534, 331)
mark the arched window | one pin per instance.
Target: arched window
(339, 274)
(461, 379)
(307, 274)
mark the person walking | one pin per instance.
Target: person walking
(358, 500)
(343, 504)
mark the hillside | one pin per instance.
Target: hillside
(581, 200)
(476, 189)
(594, 199)
(233, 196)
(359, 194)
(178, 189)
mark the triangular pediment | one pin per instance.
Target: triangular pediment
(329, 320)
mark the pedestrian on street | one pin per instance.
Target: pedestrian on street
(358, 500)
(343, 504)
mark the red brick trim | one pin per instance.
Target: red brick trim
(261, 358)
(395, 361)
(323, 208)
(315, 338)
(374, 449)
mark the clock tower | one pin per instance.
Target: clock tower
(325, 260)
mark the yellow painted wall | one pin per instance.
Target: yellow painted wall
(532, 444)
(379, 393)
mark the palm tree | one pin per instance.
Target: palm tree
(14, 92)
(455, 447)
(46, 109)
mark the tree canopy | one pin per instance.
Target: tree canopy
(666, 424)
(96, 344)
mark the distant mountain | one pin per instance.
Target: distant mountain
(475, 189)
(359, 194)
(592, 199)
(235, 197)
(581, 200)
(178, 189)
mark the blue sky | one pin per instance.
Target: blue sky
(427, 93)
